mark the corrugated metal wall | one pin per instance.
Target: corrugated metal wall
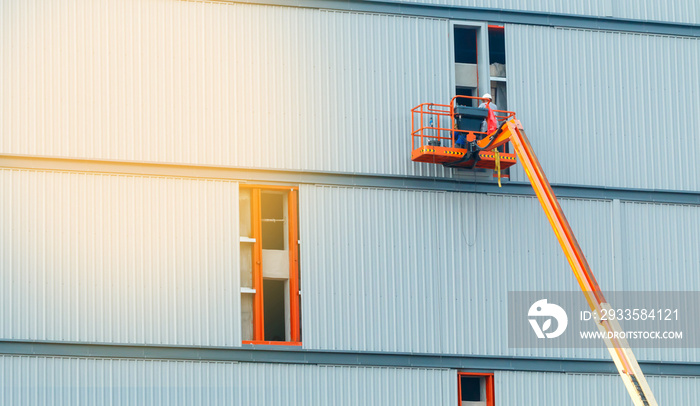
(551, 389)
(223, 84)
(661, 237)
(304, 89)
(375, 260)
(616, 112)
(86, 381)
(122, 259)
(106, 258)
(81, 381)
(660, 252)
(679, 11)
(125, 259)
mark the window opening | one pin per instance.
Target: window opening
(269, 267)
(476, 389)
(273, 221)
(497, 73)
(274, 310)
(466, 61)
(471, 389)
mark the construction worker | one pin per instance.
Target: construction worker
(491, 106)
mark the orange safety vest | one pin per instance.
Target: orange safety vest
(491, 122)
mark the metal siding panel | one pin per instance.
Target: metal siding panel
(122, 259)
(375, 260)
(293, 88)
(593, 116)
(660, 253)
(577, 389)
(75, 381)
(677, 11)
(588, 7)
(660, 246)
(218, 84)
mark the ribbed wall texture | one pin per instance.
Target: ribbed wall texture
(412, 271)
(80, 381)
(125, 259)
(110, 258)
(664, 238)
(661, 252)
(418, 271)
(679, 11)
(304, 89)
(223, 84)
(550, 389)
(601, 108)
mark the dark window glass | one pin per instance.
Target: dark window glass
(465, 45)
(471, 389)
(274, 310)
(465, 91)
(497, 46)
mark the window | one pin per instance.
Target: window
(497, 67)
(479, 67)
(270, 311)
(466, 75)
(465, 45)
(476, 389)
(497, 73)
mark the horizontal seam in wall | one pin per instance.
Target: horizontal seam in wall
(270, 176)
(494, 15)
(282, 355)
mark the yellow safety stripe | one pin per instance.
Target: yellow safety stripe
(449, 152)
(498, 166)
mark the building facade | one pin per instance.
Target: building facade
(214, 202)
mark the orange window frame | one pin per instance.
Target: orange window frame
(258, 299)
(490, 392)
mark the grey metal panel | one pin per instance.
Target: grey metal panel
(412, 271)
(214, 83)
(660, 247)
(429, 272)
(314, 90)
(122, 259)
(606, 108)
(679, 11)
(550, 389)
(589, 7)
(82, 381)
(660, 253)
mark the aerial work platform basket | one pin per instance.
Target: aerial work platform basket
(447, 134)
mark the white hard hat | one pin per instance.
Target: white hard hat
(487, 96)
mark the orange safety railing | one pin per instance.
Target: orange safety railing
(430, 121)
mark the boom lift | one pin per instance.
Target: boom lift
(438, 145)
